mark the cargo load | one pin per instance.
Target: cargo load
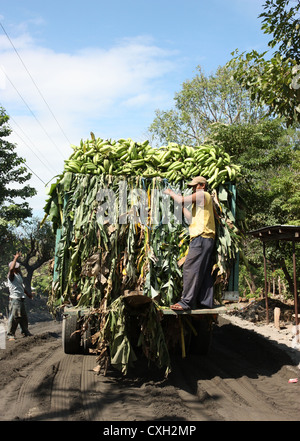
(121, 242)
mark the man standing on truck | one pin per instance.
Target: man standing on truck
(197, 278)
(17, 311)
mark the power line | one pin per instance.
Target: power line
(32, 79)
(27, 166)
(32, 113)
(27, 145)
(51, 171)
(40, 124)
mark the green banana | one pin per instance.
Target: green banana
(173, 162)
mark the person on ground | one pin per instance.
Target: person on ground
(197, 269)
(17, 310)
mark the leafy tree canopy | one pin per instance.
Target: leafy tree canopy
(269, 156)
(13, 177)
(268, 191)
(202, 101)
(281, 20)
(274, 82)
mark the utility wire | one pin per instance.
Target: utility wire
(23, 161)
(32, 79)
(41, 95)
(27, 145)
(27, 166)
(42, 127)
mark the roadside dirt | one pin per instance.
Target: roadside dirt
(245, 377)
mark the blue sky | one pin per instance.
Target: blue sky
(107, 66)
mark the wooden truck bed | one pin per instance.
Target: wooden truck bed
(214, 310)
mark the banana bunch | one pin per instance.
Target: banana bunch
(186, 162)
(173, 162)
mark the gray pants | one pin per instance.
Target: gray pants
(17, 315)
(198, 282)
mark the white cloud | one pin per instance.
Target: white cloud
(91, 89)
(87, 79)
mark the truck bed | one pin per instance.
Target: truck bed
(214, 310)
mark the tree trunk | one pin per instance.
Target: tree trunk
(288, 277)
(28, 278)
(30, 270)
(251, 284)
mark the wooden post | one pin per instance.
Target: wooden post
(277, 318)
(295, 293)
(266, 283)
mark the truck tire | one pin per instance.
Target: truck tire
(70, 338)
(200, 343)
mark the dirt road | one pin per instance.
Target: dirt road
(244, 378)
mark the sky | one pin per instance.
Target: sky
(71, 67)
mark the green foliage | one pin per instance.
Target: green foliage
(267, 154)
(12, 172)
(37, 247)
(268, 191)
(286, 188)
(204, 100)
(274, 82)
(270, 83)
(281, 20)
(41, 282)
(124, 324)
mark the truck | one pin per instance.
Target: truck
(120, 247)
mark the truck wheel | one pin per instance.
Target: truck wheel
(200, 343)
(70, 338)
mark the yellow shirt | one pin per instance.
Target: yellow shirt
(203, 219)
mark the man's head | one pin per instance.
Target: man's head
(199, 182)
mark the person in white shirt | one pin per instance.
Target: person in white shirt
(17, 310)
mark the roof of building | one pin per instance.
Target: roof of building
(278, 232)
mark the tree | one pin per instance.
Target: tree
(37, 246)
(204, 100)
(268, 190)
(12, 172)
(286, 188)
(284, 26)
(275, 82)
(267, 155)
